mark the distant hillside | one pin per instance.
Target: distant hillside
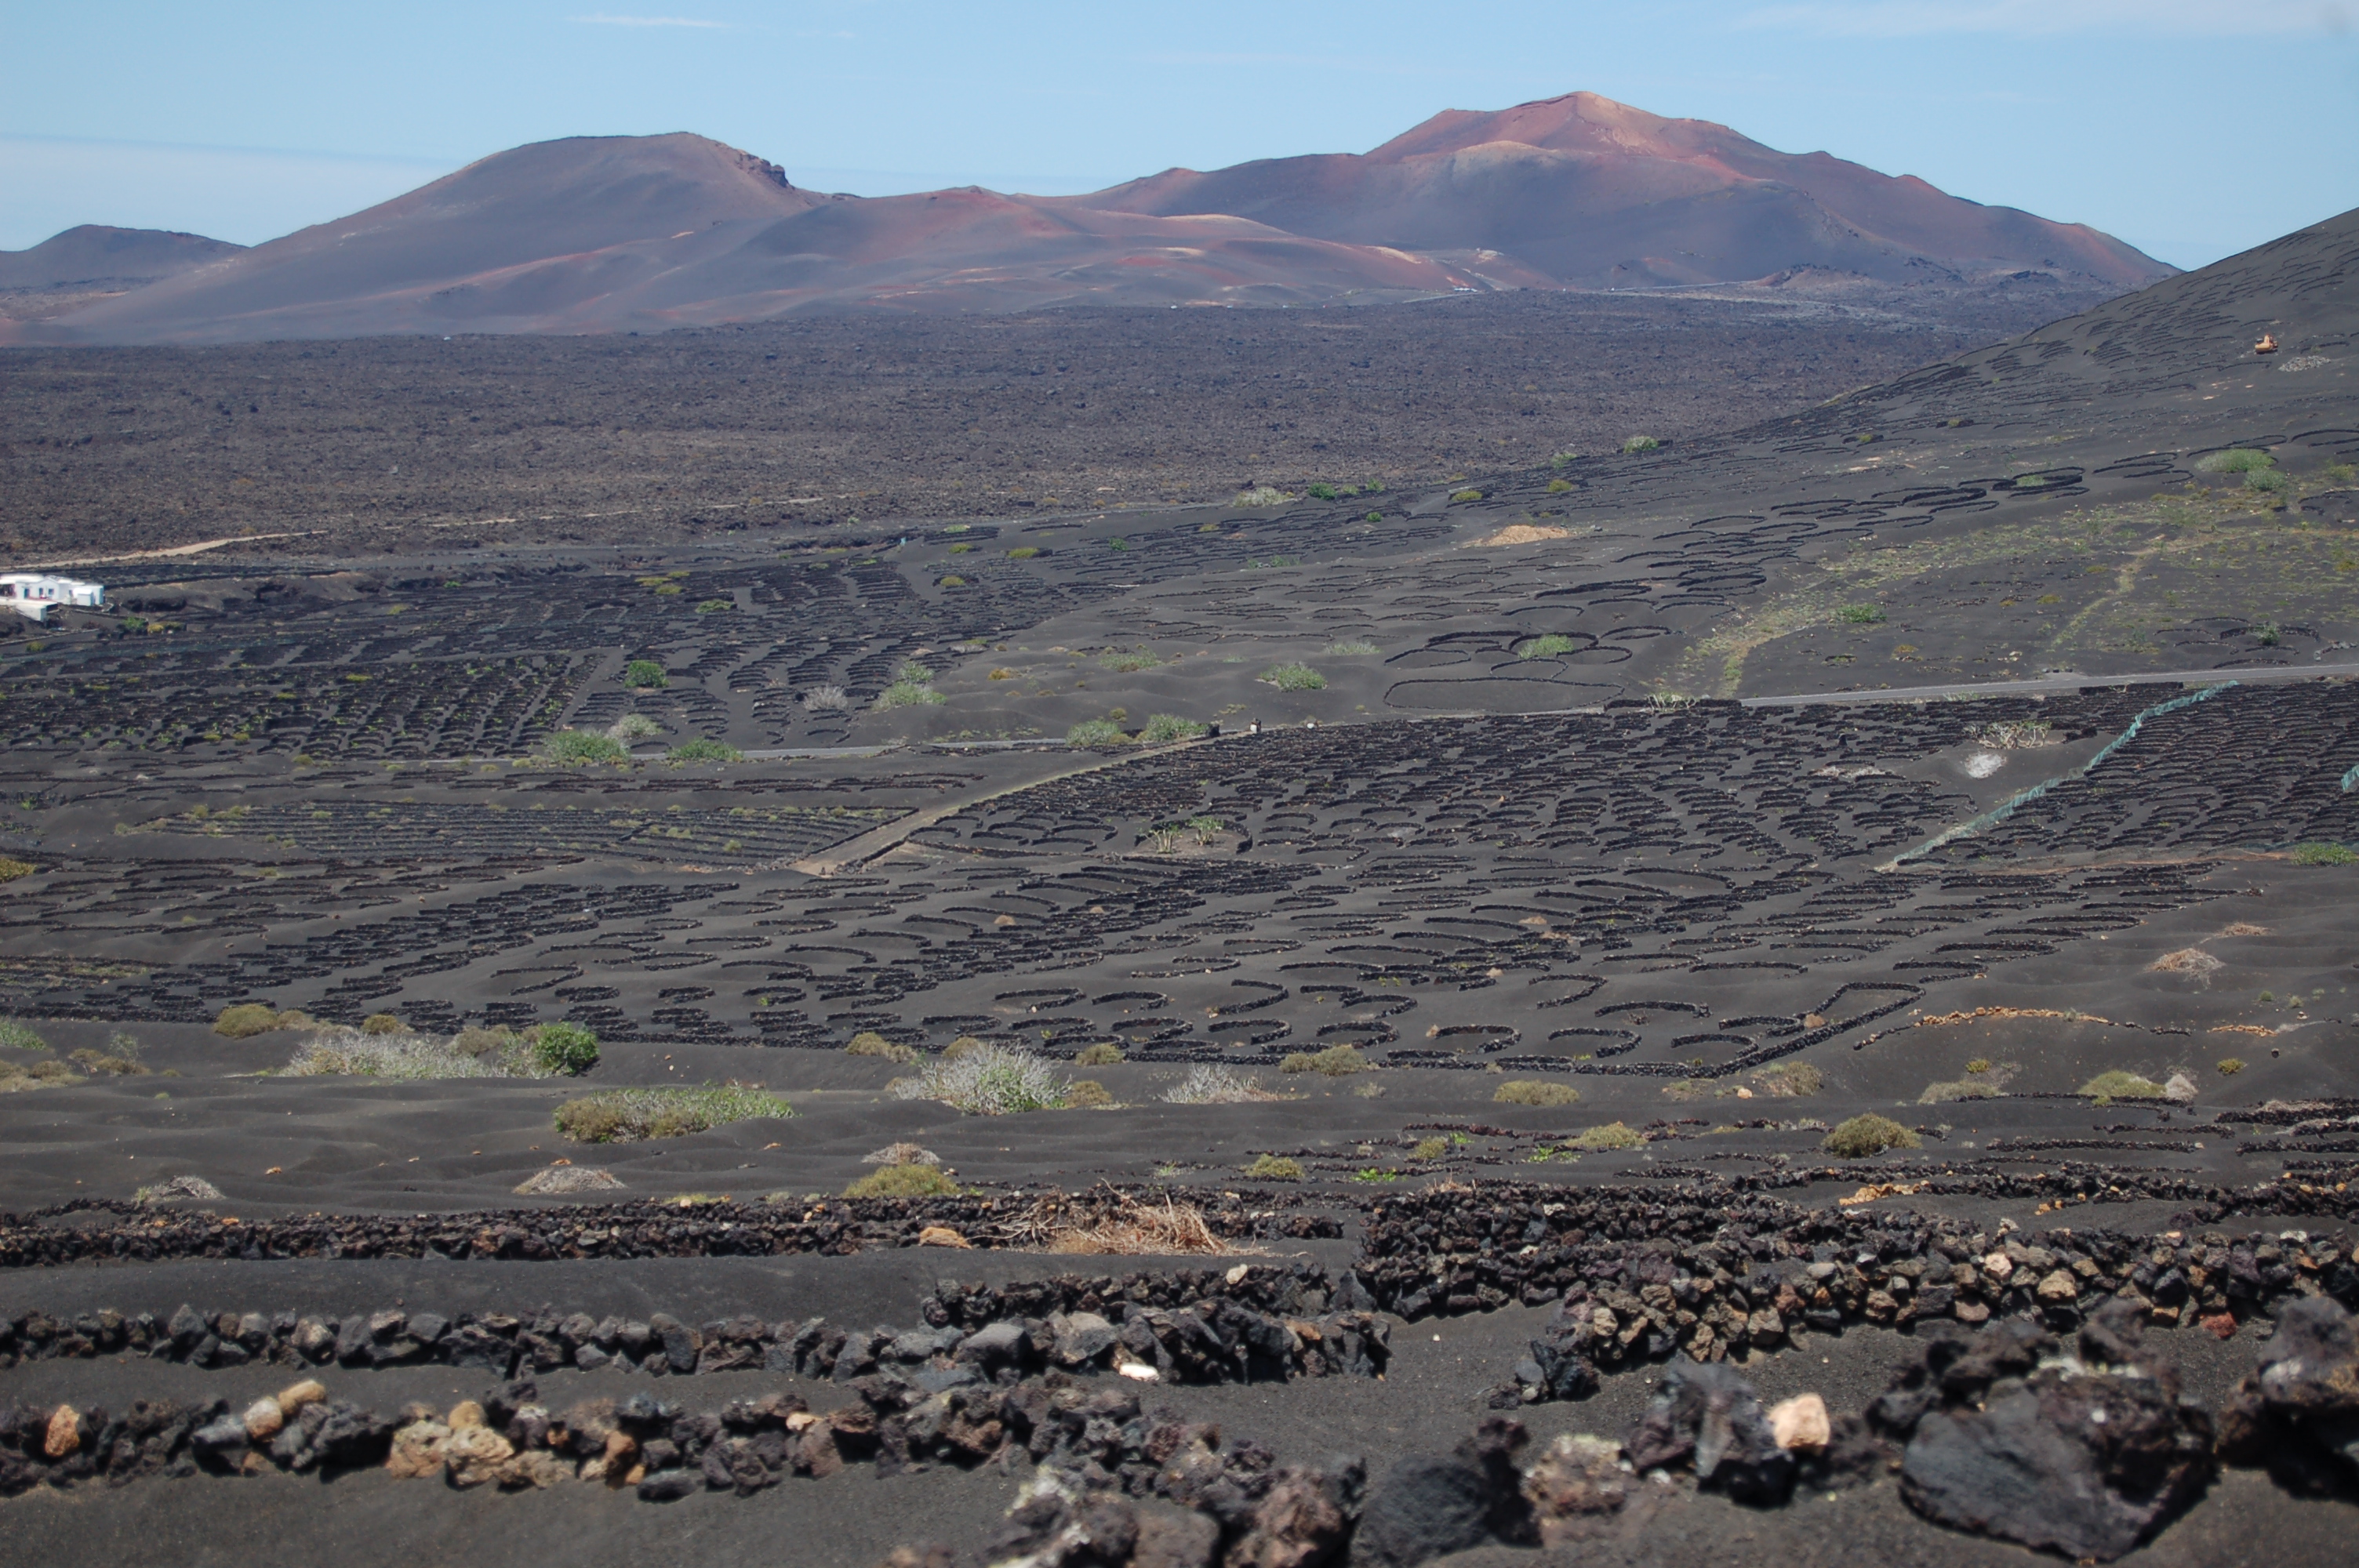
(593, 234)
(94, 255)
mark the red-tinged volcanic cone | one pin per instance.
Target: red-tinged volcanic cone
(1597, 193)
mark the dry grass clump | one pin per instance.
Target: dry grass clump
(1868, 1134)
(2192, 962)
(868, 1042)
(1104, 1053)
(988, 1080)
(16, 1078)
(348, 1052)
(2119, 1085)
(1684, 1089)
(1536, 1091)
(1274, 1168)
(563, 1181)
(248, 1018)
(1613, 1135)
(627, 1116)
(902, 1154)
(383, 1023)
(1335, 1061)
(1215, 1086)
(2229, 1065)
(1789, 1080)
(119, 1060)
(1982, 1080)
(1146, 1229)
(1087, 1094)
(12, 868)
(179, 1189)
(913, 1181)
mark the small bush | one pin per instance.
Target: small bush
(644, 675)
(348, 1052)
(1613, 1135)
(904, 1182)
(383, 1023)
(1467, 494)
(1104, 1053)
(1335, 1061)
(826, 700)
(1430, 1149)
(2235, 459)
(1130, 662)
(1213, 1086)
(1373, 517)
(960, 1048)
(1262, 495)
(632, 727)
(582, 746)
(1564, 459)
(1163, 729)
(1293, 677)
(2119, 1085)
(1354, 648)
(1789, 1080)
(1545, 647)
(477, 1041)
(1322, 491)
(17, 1035)
(1536, 1091)
(566, 1048)
(1024, 552)
(1641, 443)
(1558, 486)
(714, 606)
(1087, 1094)
(2268, 480)
(11, 868)
(705, 751)
(2323, 855)
(1095, 732)
(913, 686)
(245, 1019)
(868, 1042)
(124, 1062)
(988, 1080)
(1274, 1168)
(1867, 1134)
(1979, 1064)
(2229, 1065)
(627, 1116)
(1861, 614)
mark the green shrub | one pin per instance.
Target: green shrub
(2231, 1066)
(582, 746)
(1867, 1134)
(1096, 732)
(1087, 1094)
(247, 1018)
(1162, 729)
(644, 675)
(868, 1042)
(1612, 1136)
(567, 1048)
(913, 686)
(2235, 459)
(1104, 1053)
(1470, 494)
(1545, 647)
(2119, 1085)
(1294, 677)
(2323, 854)
(1024, 552)
(952, 580)
(1641, 443)
(1536, 1091)
(1126, 663)
(904, 1182)
(1789, 1080)
(1861, 614)
(626, 1116)
(714, 606)
(1335, 1061)
(1353, 648)
(17, 1035)
(1430, 1149)
(704, 750)
(1564, 459)
(1321, 491)
(1373, 517)
(1274, 1168)
(12, 868)
(2266, 479)
(383, 1023)
(1558, 486)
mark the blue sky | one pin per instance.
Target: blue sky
(2191, 129)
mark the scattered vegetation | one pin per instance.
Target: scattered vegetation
(1293, 677)
(384, 1023)
(1024, 552)
(913, 686)
(1163, 729)
(988, 1080)
(632, 727)
(2323, 855)
(1335, 1061)
(1138, 1229)
(714, 606)
(1429, 1149)
(1353, 648)
(2230, 1066)
(250, 1017)
(644, 675)
(826, 700)
(582, 746)
(2015, 734)
(2106, 1088)
(2235, 459)
(16, 1077)
(1641, 443)
(1262, 495)
(1861, 614)
(868, 1042)
(1564, 459)
(1104, 1053)
(348, 1052)
(1612, 1136)
(630, 1116)
(1868, 1134)
(1470, 494)
(904, 1182)
(1087, 1094)
(1545, 647)
(119, 1060)
(1274, 1168)
(1789, 1080)
(1536, 1091)
(17, 1035)
(706, 751)
(1096, 732)
(1214, 1086)
(11, 868)
(1127, 663)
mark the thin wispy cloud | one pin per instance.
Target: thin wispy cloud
(2043, 18)
(602, 20)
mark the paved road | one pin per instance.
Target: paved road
(2242, 676)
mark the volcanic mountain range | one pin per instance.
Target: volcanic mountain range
(603, 234)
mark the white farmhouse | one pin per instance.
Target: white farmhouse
(31, 594)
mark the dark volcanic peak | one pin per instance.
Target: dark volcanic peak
(605, 233)
(94, 255)
(1597, 194)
